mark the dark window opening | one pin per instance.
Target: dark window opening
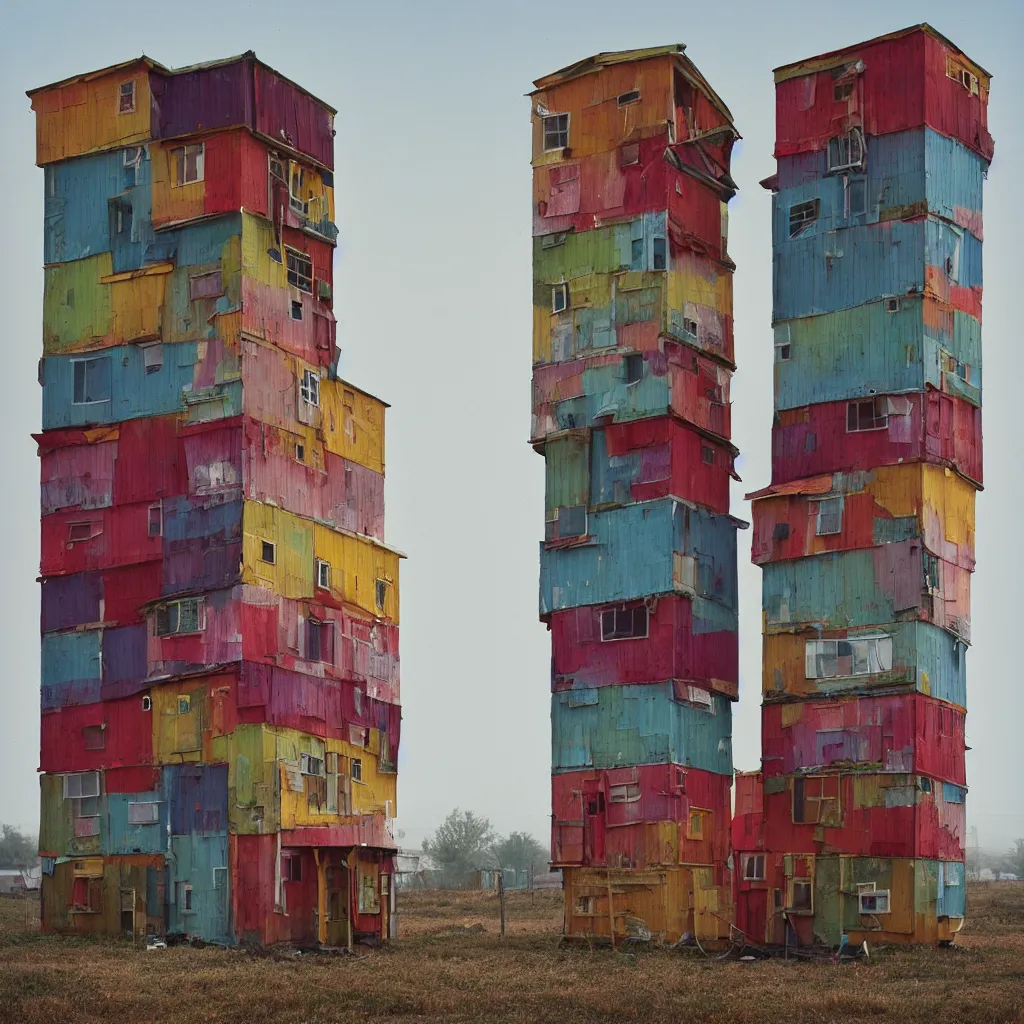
(625, 98)
(707, 455)
(634, 367)
(624, 623)
(867, 414)
(842, 91)
(660, 254)
(296, 310)
(802, 216)
(556, 131)
(268, 552)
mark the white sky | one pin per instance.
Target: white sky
(433, 300)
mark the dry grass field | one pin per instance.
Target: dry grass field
(451, 965)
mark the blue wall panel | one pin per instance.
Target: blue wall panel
(199, 862)
(632, 555)
(612, 726)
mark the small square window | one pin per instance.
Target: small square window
(846, 151)
(296, 309)
(842, 91)
(126, 98)
(560, 298)
(91, 380)
(802, 216)
(144, 813)
(690, 326)
(867, 414)
(323, 574)
(268, 552)
(300, 452)
(155, 527)
(185, 704)
(625, 623)
(707, 455)
(626, 793)
(556, 131)
(629, 154)
(873, 902)
(753, 867)
(95, 737)
(572, 521)
(659, 259)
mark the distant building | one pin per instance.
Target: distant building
(855, 824)
(220, 676)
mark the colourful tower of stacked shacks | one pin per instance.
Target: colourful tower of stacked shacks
(220, 716)
(633, 355)
(855, 825)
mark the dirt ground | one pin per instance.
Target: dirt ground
(450, 964)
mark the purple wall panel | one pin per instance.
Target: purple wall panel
(71, 600)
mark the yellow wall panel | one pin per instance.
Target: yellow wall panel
(361, 563)
(291, 572)
(82, 116)
(172, 203)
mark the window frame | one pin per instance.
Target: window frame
(85, 362)
(559, 135)
(802, 880)
(864, 895)
(800, 224)
(323, 581)
(380, 593)
(65, 788)
(154, 818)
(657, 255)
(180, 155)
(309, 388)
(268, 547)
(847, 138)
(625, 793)
(562, 289)
(617, 632)
(757, 860)
(356, 769)
(200, 605)
(297, 277)
(158, 508)
(878, 421)
(624, 99)
(828, 522)
(814, 649)
(132, 92)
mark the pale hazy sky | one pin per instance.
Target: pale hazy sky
(432, 294)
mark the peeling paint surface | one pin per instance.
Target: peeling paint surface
(855, 827)
(220, 662)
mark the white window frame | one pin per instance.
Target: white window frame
(80, 778)
(185, 901)
(152, 812)
(619, 609)
(624, 793)
(133, 92)
(866, 896)
(560, 290)
(180, 155)
(200, 604)
(309, 388)
(876, 656)
(556, 134)
(783, 344)
(847, 141)
(829, 518)
(323, 574)
(86, 361)
(701, 698)
(310, 764)
(753, 867)
(356, 769)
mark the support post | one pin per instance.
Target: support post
(321, 897)
(501, 902)
(611, 910)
